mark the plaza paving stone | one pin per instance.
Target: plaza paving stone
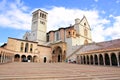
(57, 71)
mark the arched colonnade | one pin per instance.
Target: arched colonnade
(6, 56)
(106, 59)
(25, 58)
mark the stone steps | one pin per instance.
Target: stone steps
(57, 71)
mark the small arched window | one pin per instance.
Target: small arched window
(84, 24)
(45, 16)
(73, 33)
(69, 32)
(26, 47)
(22, 45)
(31, 48)
(85, 32)
(85, 42)
(40, 14)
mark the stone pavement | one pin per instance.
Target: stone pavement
(57, 71)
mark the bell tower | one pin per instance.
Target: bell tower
(39, 26)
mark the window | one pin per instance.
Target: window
(84, 24)
(31, 48)
(47, 37)
(73, 33)
(26, 47)
(42, 22)
(69, 32)
(26, 38)
(40, 14)
(35, 15)
(21, 49)
(57, 35)
(85, 42)
(85, 32)
(45, 16)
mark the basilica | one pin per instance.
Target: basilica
(67, 44)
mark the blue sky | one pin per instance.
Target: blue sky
(103, 16)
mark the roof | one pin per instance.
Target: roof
(61, 28)
(22, 40)
(3, 45)
(100, 46)
(39, 10)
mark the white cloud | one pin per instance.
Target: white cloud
(117, 1)
(96, 0)
(114, 31)
(63, 17)
(14, 15)
(1, 43)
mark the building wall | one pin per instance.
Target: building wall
(37, 50)
(62, 35)
(51, 36)
(44, 52)
(15, 45)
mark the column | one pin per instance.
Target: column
(98, 60)
(86, 59)
(89, 60)
(103, 59)
(93, 59)
(1, 59)
(117, 55)
(79, 59)
(110, 59)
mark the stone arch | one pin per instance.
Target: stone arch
(96, 59)
(101, 59)
(57, 54)
(114, 59)
(86, 42)
(29, 58)
(23, 58)
(91, 59)
(107, 59)
(26, 47)
(87, 59)
(45, 59)
(35, 58)
(16, 57)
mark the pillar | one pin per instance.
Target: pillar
(110, 59)
(89, 60)
(93, 59)
(117, 56)
(98, 60)
(86, 59)
(103, 59)
(1, 58)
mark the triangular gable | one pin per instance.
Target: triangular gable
(85, 20)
